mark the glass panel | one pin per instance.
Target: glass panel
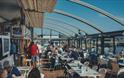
(102, 22)
(119, 43)
(73, 22)
(108, 45)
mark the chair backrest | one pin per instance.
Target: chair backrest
(66, 68)
(102, 61)
(121, 75)
(102, 71)
(86, 63)
(24, 71)
(42, 75)
(120, 71)
(95, 68)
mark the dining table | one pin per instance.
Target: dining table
(83, 70)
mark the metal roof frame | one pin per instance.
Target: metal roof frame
(58, 29)
(78, 18)
(65, 28)
(52, 19)
(99, 10)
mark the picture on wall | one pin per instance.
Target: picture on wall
(16, 31)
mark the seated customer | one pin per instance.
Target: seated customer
(34, 73)
(74, 54)
(12, 70)
(3, 73)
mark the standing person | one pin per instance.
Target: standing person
(13, 50)
(40, 49)
(34, 53)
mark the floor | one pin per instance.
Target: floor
(52, 74)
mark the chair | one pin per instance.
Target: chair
(24, 71)
(95, 68)
(66, 71)
(120, 70)
(57, 63)
(120, 73)
(102, 71)
(42, 75)
(74, 75)
(86, 63)
(52, 63)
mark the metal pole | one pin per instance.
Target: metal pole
(114, 47)
(32, 33)
(50, 34)
(85, 41)
(102, 44)
(97, 44)
(42, 36)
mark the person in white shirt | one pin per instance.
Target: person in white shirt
(40, 51)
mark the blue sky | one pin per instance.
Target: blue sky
(105, 24)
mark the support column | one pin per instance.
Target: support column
(74, 42)
(102, 44)
(68, 42)
(41, 36)
(59, 38)
(32, 33)
(85, 42)
(77, 43)
(81, 43)
(114, 47)
(90, 45)
(97, 44)
(42, 32)
(50, 34)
